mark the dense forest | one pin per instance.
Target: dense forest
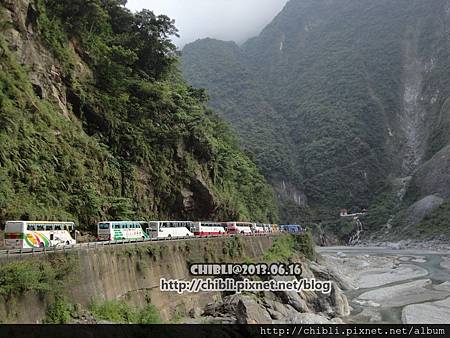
(96, 122)
(345, 101)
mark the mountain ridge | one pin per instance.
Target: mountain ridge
(358, 90)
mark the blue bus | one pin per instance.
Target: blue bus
(292, 228)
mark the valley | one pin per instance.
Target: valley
(336, 105)
(348, 105)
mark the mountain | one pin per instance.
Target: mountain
(98, 123)
(343, 104)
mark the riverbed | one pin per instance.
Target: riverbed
(393, 286)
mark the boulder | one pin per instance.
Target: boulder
(329, 274)
(249, 311)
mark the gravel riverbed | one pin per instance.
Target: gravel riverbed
(392, 284)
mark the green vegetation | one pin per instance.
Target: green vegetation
(436, 223)
(382, 208)
(120, 312)
(288, 246)
(59, 312)
(43, 274)
(315, 97)
(136, 138)
(234, 247)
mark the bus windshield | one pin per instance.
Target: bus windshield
(14, 227)
(103, 226)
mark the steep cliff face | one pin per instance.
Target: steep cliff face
(131, 274)
(359, 91)
(125, 273)
(93, 125)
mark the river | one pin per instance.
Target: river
(393, 286)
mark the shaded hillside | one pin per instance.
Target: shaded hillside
(97, 122)
(358, 89)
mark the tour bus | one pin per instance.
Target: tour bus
(168, 229)
(274, 228)
(258, 228)
(121, 230)
(239, 227)
(38, 234)
(292, 228)
(207, 229)
(267, 228)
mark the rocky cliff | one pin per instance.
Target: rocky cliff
(96, 122)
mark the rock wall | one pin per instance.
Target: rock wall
(132, 273)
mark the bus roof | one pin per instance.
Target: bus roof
(42, 222)
(122, 221)
(173, 221)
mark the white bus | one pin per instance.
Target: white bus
(267, 228)
(167, 229)
(239, 227)
(120, 230)
(207, 228)
(258, 228)
(38, 234)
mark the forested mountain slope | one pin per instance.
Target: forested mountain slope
(353, 96)
(96, 122)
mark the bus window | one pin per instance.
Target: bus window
(39, 227)
(103, 226)
(31, 227)
(49, 227)
(57, 226)
(14, 227)
(51, 237)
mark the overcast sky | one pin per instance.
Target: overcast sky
(235, 20)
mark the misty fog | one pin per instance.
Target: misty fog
(235, 20)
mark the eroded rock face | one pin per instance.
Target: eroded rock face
(416, 212)
(44, 71)
(327, 273)
(433, 177)
(197, 198)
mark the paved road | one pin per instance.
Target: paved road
(93, 245)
